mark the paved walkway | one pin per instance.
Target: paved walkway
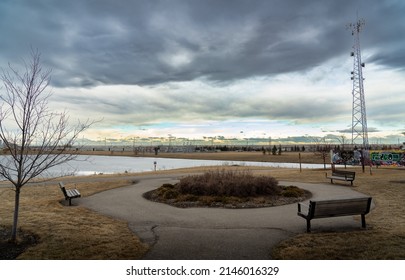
(212, 233)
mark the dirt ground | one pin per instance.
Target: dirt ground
(294, 157)
(61, 230)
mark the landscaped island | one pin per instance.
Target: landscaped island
(228, 189)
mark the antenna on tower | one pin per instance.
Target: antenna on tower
(359, 118)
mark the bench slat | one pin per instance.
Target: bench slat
(337, 208)
(69, 194)
(342, 175)
(340, 178)
(73, 193)
(333, 208)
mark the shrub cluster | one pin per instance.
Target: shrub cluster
(292, 191)
(229, 183)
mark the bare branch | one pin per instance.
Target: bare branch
(34, 138)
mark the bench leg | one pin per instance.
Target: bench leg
(70, 201)
(363, 221)
(308, 225)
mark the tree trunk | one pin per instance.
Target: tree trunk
(15, 220)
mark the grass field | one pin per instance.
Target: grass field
(70, 232)
(384, 237)
(63, 230)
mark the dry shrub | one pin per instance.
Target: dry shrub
(187, 197)
(229, 183)
(168, 186)
(170, 194)
(292, 191)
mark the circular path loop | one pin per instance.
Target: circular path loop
(213, 233)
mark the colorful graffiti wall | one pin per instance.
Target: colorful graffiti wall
(390, 158)
(346, 157)
(377, 158)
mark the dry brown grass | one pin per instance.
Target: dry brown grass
(385, 236)
(229, 183)
(89, 235)
(306, 157)
(70, 232)
(249, 156)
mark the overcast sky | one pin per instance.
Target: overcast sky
(214, 68)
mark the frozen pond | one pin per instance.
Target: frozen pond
(90, 165)
(117, 164)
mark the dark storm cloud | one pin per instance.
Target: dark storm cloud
(89, 42)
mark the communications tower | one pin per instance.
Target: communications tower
(359, 118)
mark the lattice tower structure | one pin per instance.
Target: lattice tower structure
(359, 116)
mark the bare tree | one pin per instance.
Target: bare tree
(321, 149)
(34, 138)
(342, 140)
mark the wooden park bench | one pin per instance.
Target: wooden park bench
(69, 194)
(342, 175)
(335, 208)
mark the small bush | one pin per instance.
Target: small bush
(187, 197)
(167, 186)
(292, 191)
(229, 189)
(170, 194)
(228, 183)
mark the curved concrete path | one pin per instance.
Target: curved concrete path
(213, 233)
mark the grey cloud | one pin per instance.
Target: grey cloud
(369, 129)
(89, 43)
(140, 108)
(347, 130)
